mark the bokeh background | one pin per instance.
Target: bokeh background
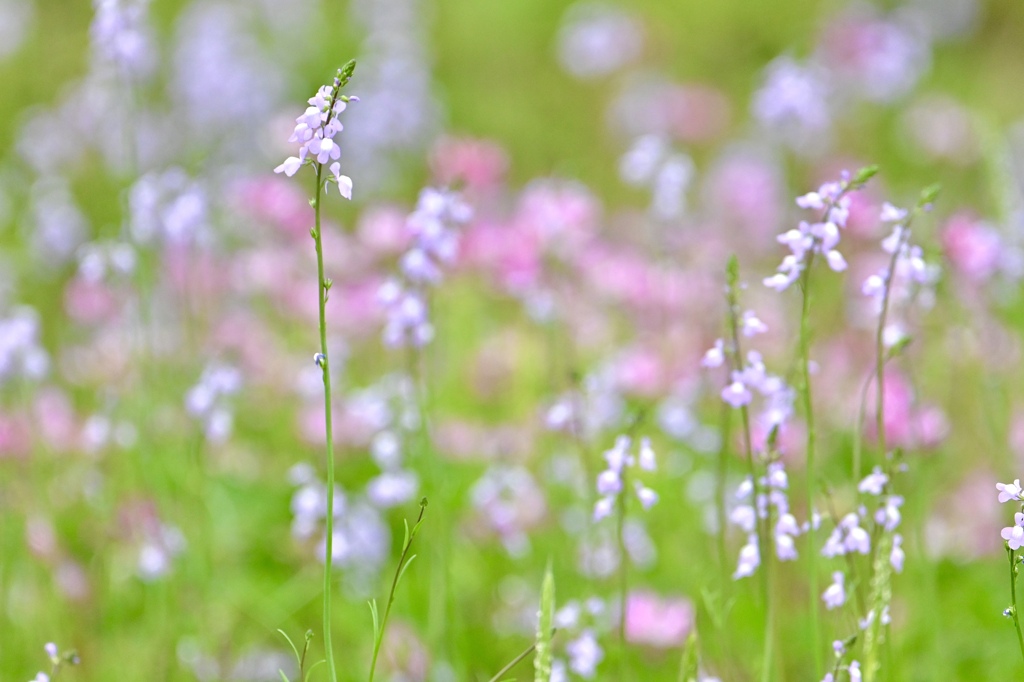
(161, 438)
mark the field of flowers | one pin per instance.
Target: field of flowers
(621, 340)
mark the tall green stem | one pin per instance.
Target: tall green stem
(1011, 555)
(763, 525)
(811, 475)
(328, 424)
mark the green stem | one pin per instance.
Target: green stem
(1013, 594)
(328, 425)
(623, 575)
(805, 392)
(763, 525)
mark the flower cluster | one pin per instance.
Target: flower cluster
(1013, 535)
(21, 354)
(583, 622)
(435, 243)
(777, 396)
(851, 537)
(770, 494)
(906, 268)
(207, 400)
(820, 237)
(316, 128)
(611, 481)
(361, 539)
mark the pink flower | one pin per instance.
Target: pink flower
(658, 622)
(973, 248)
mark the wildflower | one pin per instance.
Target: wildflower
(888, 515)
(751, 325)
(1009, 491)
(835, 594)
(584, 654)
(820, 237)
(316, 128)
(854, 671)
(897, 556)
(750, 559)
(609, 481)
(1014, 535)
(736, 394)
(874, 483)
(715, 356)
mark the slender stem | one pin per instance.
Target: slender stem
(1012, 556)
(811, 475)
(890, 274)
(763, 525)
(620, 533)
(328, 424)
(394, 586)
(723, 451)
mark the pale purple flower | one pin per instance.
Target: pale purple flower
(750, 559)
(792, 102)
(1014, 535)
(897, 556)
(821, 237)
(854, 671)
(344, 182)
(736, 394)
(603, 508)
(646, 458)
(1009, 491)
(609, 482)
(315, 130)
(834, 595)
(751, 325)
(874, 483)
(584, 654)
(744, 517)
(51, 650)
(892, 214)
(715, 356)
(648, 498)
(888, 515)
(597, 39)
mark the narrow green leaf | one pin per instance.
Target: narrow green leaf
(283, 676)
(402, 571)
(690, 660)
(298, 659)
(306, 678)
(545, 622)
(376, 622)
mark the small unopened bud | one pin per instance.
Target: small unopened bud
(312, 232)
(328, 283)
(1008, 612)
(320, 359)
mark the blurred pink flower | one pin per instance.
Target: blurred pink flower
(972, 247)
(88, 302)
(478, 163)
(278, 202)
(658, 622)
(381, 229)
